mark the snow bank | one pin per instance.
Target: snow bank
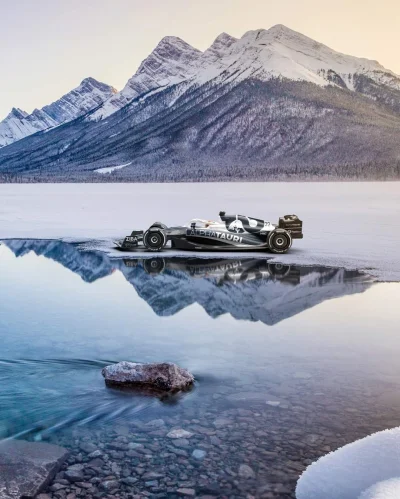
(110, 169)
(388, 489)
(366, 469)
(352, 225)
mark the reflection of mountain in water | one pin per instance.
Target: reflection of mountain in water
(90, 266)
(248, 289)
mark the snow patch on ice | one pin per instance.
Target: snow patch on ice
(366, 469)
(110, 169)
(388, 489)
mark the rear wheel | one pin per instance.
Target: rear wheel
(278, 270)
(279, 241)
(154, 239)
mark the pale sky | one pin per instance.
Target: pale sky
(48, 46)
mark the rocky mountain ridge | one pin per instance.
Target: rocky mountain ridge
(18, 124)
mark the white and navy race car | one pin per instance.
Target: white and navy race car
(230, 233)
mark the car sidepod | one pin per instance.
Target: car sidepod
(218, 239)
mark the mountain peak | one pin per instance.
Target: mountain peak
(17, 113)
(224, 40)
(90, 83)
(172, 47)
(90, 80)
(171, 40)
(171, 56)
(219, 48)
(281, 28)
(282, 32)
(276, 32)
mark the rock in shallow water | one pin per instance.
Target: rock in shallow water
(162, 377)
(199, 454)
(74, 473)
(27, 467)
(180, 433)
(246, 472)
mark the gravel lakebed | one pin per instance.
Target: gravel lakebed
(232, 443)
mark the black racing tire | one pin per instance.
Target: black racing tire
(154, 239)
(154, 266)
(278, 270)
(279, 241)
(158, 225)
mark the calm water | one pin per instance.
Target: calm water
(290, 362)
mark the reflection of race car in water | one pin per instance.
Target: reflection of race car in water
(230, 233)
(227, 270)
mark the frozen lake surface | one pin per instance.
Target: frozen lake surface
(290, 363)
(352, 225)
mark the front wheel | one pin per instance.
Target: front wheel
(279, 241)
(154, 239)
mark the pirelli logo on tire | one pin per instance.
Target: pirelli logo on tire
(215, 234)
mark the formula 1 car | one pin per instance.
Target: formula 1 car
(230, 233)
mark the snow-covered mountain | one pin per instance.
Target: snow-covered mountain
(86, 97)
(262, 54)
(272, 104)
(280, 52)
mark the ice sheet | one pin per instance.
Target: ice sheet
(352, 225)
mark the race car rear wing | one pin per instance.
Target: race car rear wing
(292, 224)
